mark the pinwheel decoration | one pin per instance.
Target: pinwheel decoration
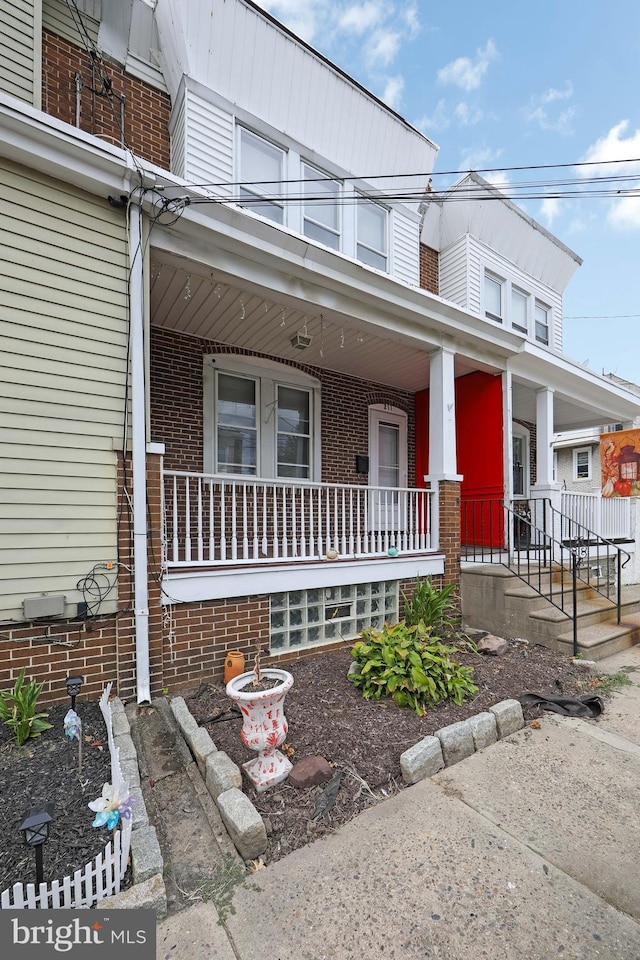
(109, 807)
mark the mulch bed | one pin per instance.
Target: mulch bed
(43, 770)
(363, 739)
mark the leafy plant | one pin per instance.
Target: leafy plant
(18, 709)
(409, 665)
(431, 606)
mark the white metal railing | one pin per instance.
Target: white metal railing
(215, 520)
(608, 517)
(98, 879)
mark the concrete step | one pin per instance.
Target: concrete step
(600, 640)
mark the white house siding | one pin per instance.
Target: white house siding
(406, 248)
(20, 49)
(208, 148)
(453, 273)
(63, 363)
(57, 18)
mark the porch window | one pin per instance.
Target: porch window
(261, 175)
(582, 464)
(541, 318)
(310, 618)
(261, 419)
(493, 297)
(520, 458)
(321, 211)
(372, 229)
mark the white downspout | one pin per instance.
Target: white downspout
(138, 451)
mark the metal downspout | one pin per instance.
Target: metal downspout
(138, 452)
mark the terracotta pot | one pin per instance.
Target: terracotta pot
(233, 665)
(264, 725)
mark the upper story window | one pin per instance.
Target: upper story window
(261, 419)
(372, 233)
(519, 310)
(493, 297)
(321, 211)
(541, 322)
(261, 173)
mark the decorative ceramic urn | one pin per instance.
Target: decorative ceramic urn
(264, 726)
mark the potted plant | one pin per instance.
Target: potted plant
(260, 695)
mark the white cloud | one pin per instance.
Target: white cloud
(550, 209)
(440, 119)
(303, 17)
(467, 73)
(546, 117)
(475, 158)
(466, 115)
(382, 48)
(392, 93)
(624, 213)
(498, 179)
(359, 17)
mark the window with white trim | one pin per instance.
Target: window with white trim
(321, 208)
(519, 315)
(261, 419)
(493, 297)
(372, 230)
(582, 464)
(261, 172)
(309, 618)
(541, 322)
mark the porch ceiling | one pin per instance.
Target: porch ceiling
(248, 318)
(568, 413)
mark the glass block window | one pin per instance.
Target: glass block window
(309, 618)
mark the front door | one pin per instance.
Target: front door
(387, 468)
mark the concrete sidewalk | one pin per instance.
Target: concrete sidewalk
(527, 849)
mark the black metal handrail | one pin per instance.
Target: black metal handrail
(494, 532)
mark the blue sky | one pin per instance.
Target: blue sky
(510, 84)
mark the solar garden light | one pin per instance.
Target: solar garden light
(35, 830)
(73, 685)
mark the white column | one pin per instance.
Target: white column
(544, 437)
(443, 463)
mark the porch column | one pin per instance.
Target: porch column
(442, 418)
(545, 486)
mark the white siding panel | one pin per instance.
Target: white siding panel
(178, 135)
(209, 145)
(453, 274)
(57, 18)
(63, 325)
(406, 249)
(19, 50)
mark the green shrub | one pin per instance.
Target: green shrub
(18, 709)
(408, 664)
(431, 606)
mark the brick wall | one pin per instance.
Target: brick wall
(429, 266)
(147, 110)
(177, 410)
(450, 530)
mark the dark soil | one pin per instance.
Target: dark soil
(43, 770)
(363, 739)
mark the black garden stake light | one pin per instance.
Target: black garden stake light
(35, 830)
(73, 685)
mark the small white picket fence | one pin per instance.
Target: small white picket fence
(100, 878)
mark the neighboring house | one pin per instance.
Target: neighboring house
(252, 363)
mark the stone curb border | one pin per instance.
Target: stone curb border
(459, 740)
(223, 779)
(148, 888)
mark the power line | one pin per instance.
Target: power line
(615, 316)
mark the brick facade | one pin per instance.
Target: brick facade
(429, 269)
(146, 110)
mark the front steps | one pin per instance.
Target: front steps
(495, 599)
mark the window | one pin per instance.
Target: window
(261, 419)
(582, 464)
(261, 174)
(371, 226)
(493, 297)
(520, 457)
(321, 211)
(308, 618)
(519, 310)
(541, 318)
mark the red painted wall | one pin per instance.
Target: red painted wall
(480, 446)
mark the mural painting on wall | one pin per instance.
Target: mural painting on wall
(620, 460)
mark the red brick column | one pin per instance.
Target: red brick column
(154, 562)
(449, 497)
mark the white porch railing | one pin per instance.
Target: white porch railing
(608, 517)
(214, 520)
